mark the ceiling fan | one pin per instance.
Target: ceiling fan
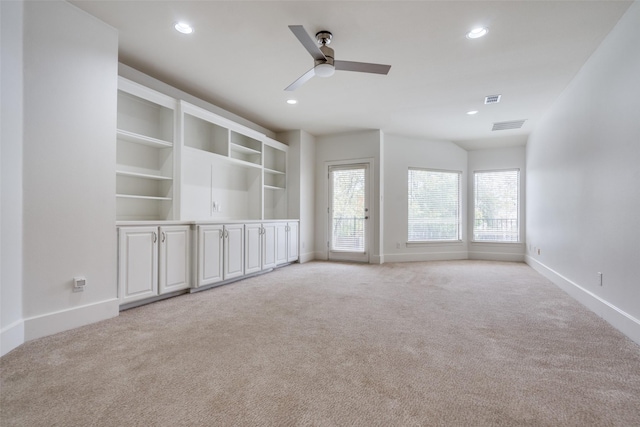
(325, 64)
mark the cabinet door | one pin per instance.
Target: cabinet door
(281, 243)
(137, 263)
(210, 243)
(174, 258)
(233, 251)
(252, 248)
(268, 245)
(292, 241)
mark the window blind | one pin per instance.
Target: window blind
(434, 205)
(496, 207)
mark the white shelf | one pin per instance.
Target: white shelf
(135, 196)
(143, 175)
(274, 172)
(242, 149)
(142, 139)
(243, 163)
(273, 187)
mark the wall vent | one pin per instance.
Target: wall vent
(492, 99)
(514, 124)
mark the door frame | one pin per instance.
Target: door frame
(351, 256)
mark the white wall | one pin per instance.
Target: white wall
(11, 324)
(301, 187)
(400, 153)
(583, 182)
(347, 146)
(497, 159)
(70, 82)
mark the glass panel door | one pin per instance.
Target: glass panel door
(348, 212)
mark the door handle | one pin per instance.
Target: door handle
(164, 237)
(155, 237)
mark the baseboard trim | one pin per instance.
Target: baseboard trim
(496, 256)
(427, 256)
(11, 337)
(306, 257)
(619, 319)
(63, 320)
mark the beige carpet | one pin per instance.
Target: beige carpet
(458, 343)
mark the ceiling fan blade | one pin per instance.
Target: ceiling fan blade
(301, 80)
(362, 67)
(307, 42)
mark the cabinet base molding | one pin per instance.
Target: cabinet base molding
(138, 303)
(63, 320)
(230, 281)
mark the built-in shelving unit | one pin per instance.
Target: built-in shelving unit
(275, 179)
(144, 153)
(179, 161)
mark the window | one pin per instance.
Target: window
(434, 205)
(496, 206)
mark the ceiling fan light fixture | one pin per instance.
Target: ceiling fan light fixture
(324, 70)
(476, 33)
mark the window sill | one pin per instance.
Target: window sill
(435, 243)
(482, 242)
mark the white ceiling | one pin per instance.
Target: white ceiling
(242, 55)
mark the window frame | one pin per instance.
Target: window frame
(458, 239)
(518, 209)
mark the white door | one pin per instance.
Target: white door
(210, 243)
(252, 248)
(174, 258)
(268, 245)
(233, 251)
(281, 243)
(292, 242)
(138, 263)
(349, 212)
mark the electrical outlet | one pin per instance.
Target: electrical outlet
(599, 278)
(79, 283)
(538, 251)
(397, 245)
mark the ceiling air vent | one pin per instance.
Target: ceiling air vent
(515, 124)
(492, 99)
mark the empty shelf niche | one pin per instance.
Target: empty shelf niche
(144, 119)
(206, 136)
(245, 148)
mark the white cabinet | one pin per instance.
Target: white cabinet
(268, 245)
(137, 263)
(292, 241)
(286, 242)
(233, 251)
(144, 153)
(252, 248)
(210, 251)
(220, 253)
(174, 258)
(260, 247)
(152, 261)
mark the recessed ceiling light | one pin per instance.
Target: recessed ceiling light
(471, 113)
(291, 101)
(477, 33)
(183, 28)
